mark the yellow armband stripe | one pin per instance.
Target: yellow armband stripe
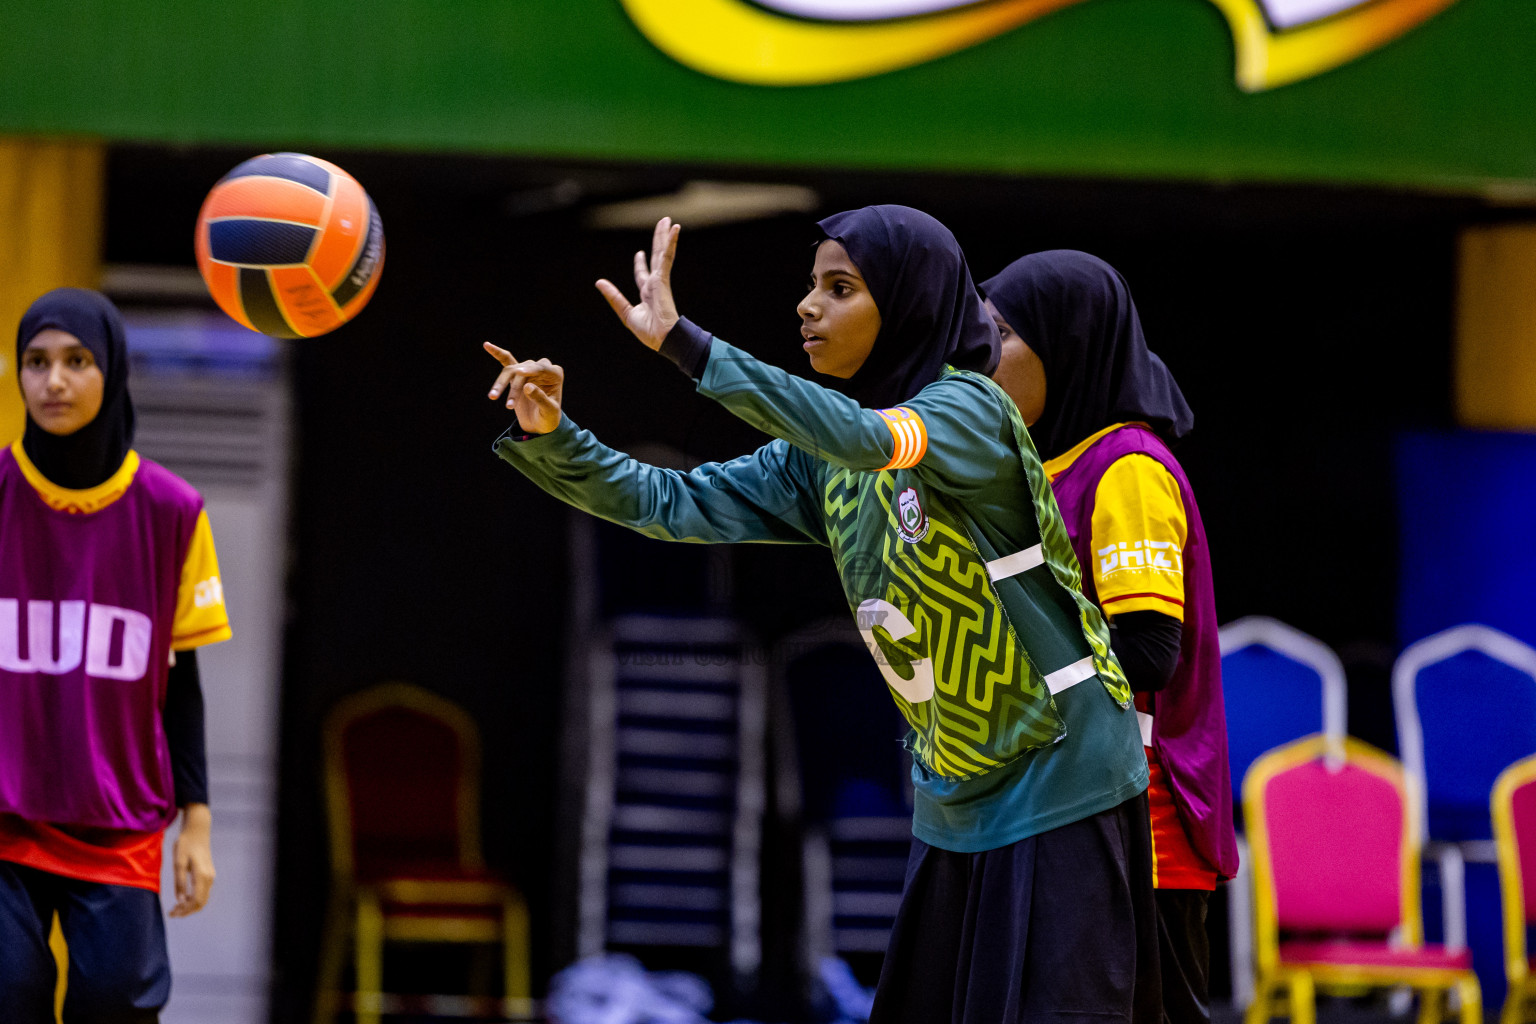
(910, 435)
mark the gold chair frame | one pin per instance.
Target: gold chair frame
(1520, 1002)
(1290, 990)
(355, 914)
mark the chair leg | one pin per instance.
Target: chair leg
(514, 948)
(1471, 996)
(1240, 929)
(1432, 1006)
(1303, 998)
(368, 1000)
(1509, 1013)
(333, 956)
(1259, 1004)
(1516, 1001)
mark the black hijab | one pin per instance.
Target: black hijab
(94, 452)
(930, 312)
(1075, 311)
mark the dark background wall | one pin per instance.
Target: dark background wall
(1307, 327)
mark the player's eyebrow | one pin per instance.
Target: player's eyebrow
(840, 271)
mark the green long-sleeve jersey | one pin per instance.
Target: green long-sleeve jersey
(968, 596)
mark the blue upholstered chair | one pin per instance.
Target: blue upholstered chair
(1465, 704)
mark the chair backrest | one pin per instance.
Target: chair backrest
(402, 769)
(1279, 684)
(1333, 843)
(1514, 830)
(1465, 703)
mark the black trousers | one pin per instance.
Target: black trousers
(1059, 927)
(119, 972)
(1185, 950)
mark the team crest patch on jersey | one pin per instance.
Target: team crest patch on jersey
(911, 520)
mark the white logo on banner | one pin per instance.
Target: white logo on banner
(1290, 13)
(860, 10)
(1280, 13)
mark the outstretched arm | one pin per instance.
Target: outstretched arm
(958, 435)
(766, 496)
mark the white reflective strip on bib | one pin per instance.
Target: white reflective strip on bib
(1012, 565)
(1064, 678)
(1145, 721)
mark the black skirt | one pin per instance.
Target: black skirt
(1061, 926)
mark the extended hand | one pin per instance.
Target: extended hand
(657, 313)
(534, 390)
(192, 859)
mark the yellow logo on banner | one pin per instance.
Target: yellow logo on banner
(814, 42)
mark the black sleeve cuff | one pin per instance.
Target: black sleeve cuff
(687, 345)
(1147, 644)
(517, 435)
(183, 719)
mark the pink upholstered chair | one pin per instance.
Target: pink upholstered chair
(1514, 832)
(1335, 852)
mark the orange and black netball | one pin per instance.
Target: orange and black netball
(290, 245)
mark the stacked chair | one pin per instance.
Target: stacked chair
(1280, 684)
(1334, 842)
(844, 781)
(674, 796)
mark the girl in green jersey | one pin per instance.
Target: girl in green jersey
(1028, 894)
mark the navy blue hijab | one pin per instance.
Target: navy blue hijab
(94, 452)
(1075, 312)
(930, 312)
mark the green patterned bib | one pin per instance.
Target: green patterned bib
(972, 643)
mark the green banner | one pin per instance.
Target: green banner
(1425, 93)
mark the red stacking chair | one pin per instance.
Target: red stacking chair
(402, 777)
(1514, 833)
(1334, 843)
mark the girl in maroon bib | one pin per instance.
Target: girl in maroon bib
(1100, 408)
(108, 582)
